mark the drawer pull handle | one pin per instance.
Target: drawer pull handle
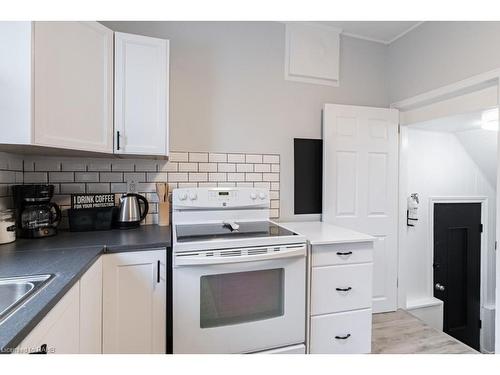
(343, 289)
(344, 253)
(343, 337)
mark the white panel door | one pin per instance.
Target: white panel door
(360, 185)
(497, 303)
(73, 86)
(141, 95)
(134, 302)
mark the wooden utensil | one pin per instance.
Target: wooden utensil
(163, 204)
(161, 191)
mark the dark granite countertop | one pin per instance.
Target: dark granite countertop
(67, 255)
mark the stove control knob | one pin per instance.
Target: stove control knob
(183, 196)
(262, 196)
(193, 196)
(253, 196)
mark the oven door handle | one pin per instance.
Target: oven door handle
(200, 258)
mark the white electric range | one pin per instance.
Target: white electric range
(239, 279)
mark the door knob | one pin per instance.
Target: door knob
(439, 287)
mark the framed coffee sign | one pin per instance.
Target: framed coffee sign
(80, 201)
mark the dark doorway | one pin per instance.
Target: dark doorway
(457, 268)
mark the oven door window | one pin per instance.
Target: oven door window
(240, 297)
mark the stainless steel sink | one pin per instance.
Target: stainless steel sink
(14, 291)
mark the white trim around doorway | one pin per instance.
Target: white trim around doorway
(466, 86)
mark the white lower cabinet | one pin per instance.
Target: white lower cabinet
(59, 331)
(134, 302)
(91, 310)
(117, 306)
(342, 333)
(340, 286)
(74, 324)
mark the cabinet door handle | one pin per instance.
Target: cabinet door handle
(158, 272)
(43, 350)
(344, 253)
(343, 289)
(117, 139)
(343, 337)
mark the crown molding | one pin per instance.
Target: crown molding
(405, 32)
(362, 37)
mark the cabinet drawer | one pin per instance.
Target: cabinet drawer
(341, 288)
(342, 333)
(326, 255)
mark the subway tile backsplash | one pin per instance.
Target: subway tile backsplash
(11, 173)
(184, 169)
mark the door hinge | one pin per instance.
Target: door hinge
(480, 324)
(495, 245)
(481, 228)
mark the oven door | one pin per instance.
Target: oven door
(239, 300)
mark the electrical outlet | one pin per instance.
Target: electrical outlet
(131, 186)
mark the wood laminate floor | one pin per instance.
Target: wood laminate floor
(401, 333)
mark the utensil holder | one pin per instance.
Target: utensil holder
(164, 213)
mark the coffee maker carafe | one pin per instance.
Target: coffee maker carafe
(36, 215)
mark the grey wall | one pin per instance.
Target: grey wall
(440, 53)
(228, 92)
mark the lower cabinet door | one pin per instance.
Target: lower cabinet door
(134, 302)
(58, 332)
(91, 310)
(342, 333)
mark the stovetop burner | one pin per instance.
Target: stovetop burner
(221, 231)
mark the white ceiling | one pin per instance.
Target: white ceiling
(378, 31)
(480, 144)
(452, 124)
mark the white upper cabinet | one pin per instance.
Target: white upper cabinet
(141, 95)
(73, 85)
(15, 86)
(59, 85)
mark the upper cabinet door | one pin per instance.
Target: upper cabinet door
(141, 95)
(73, 86)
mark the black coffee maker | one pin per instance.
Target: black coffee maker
(36, 215)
